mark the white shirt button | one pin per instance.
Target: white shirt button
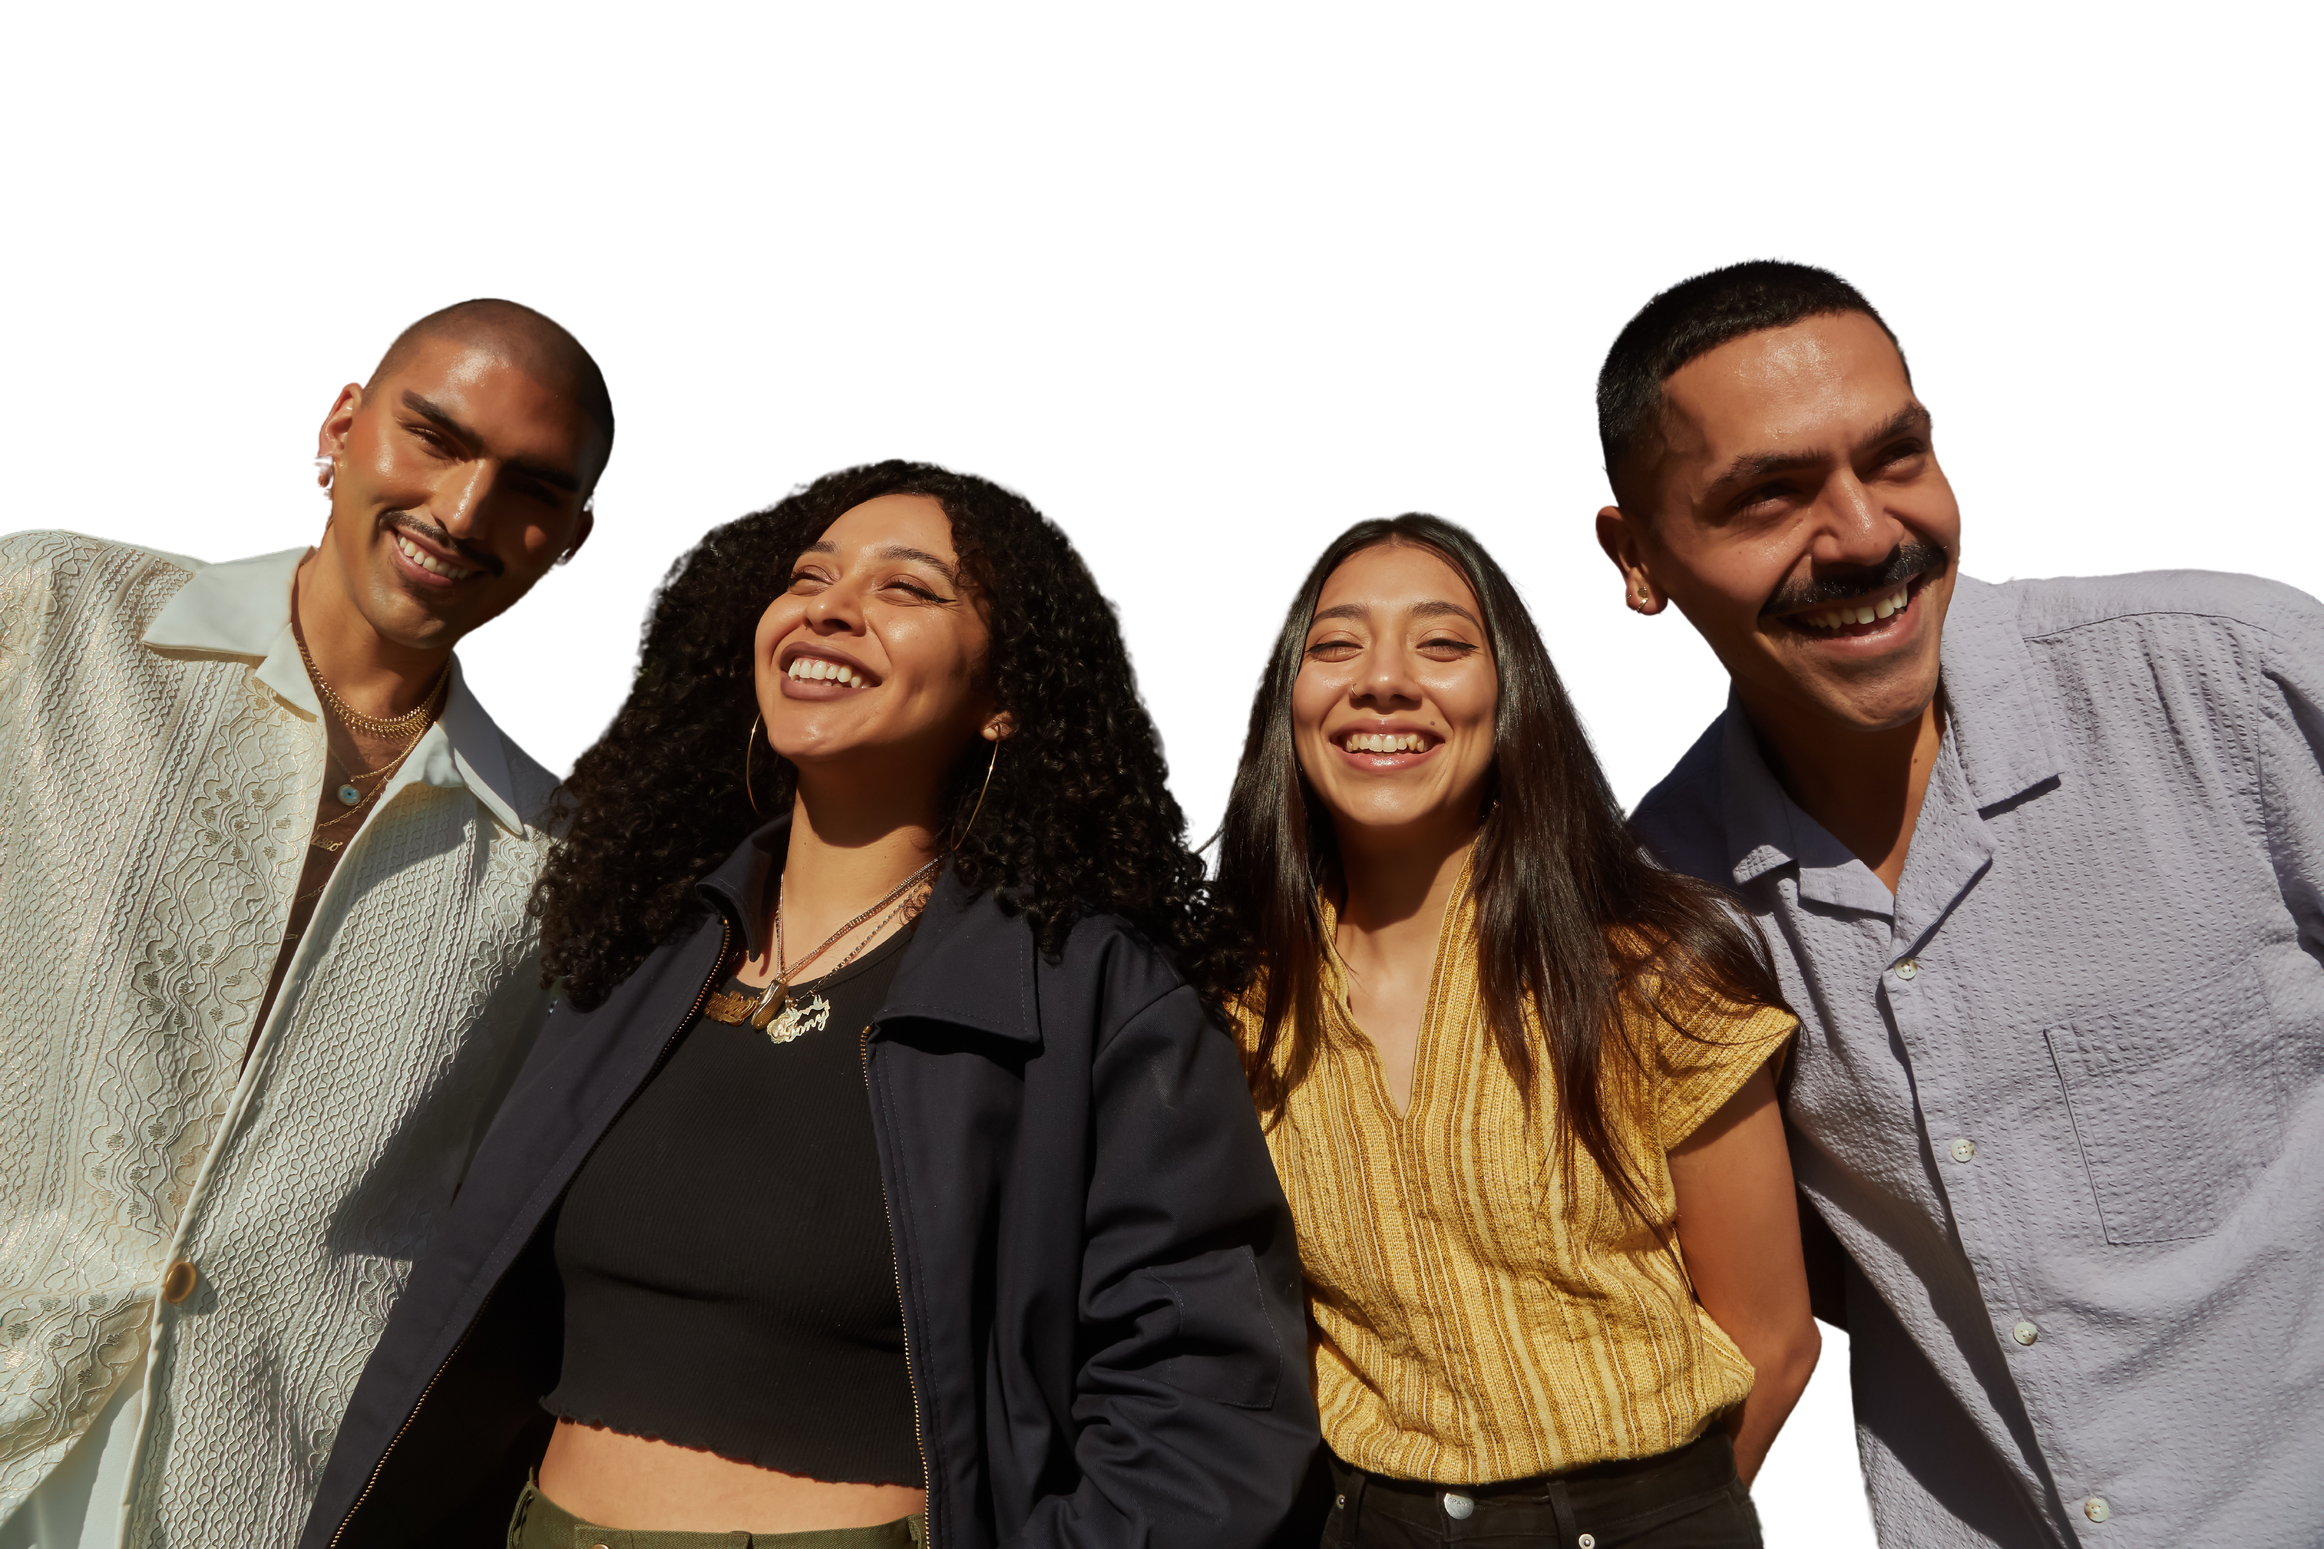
(2096, 1509)
(1908, 969)
(1458, 1506)
(1963, 1149)
(2025, 1333)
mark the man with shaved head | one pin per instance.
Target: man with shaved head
(264, 954)
(2042, 865)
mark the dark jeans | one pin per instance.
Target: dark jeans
(1687, 1499)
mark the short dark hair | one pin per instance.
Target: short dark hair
(536, 341)
(1695, 317)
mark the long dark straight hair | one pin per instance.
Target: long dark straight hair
(1572, 918)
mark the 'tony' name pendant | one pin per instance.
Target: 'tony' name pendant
(797, 1019)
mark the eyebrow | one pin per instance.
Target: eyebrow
(902, 551)
(893, 551)
(1758, 465)
(434, 414)
(1431, 609)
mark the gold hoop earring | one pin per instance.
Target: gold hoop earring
(749, 746)
(988, 785)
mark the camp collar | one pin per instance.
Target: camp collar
(240, 610)
(1991, 699)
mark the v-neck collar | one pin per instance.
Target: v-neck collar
(1459, 915)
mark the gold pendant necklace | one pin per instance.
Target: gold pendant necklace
(798, 1019)
(776, 1015)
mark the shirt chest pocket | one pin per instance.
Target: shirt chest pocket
(2176, 1105)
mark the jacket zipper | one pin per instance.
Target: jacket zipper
(369, 1484)
(725, 945)
(896, 1267)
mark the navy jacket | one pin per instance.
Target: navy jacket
(1101, 1292)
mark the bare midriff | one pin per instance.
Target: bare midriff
(636, 1485)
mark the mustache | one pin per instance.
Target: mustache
(1905, 562)
(419, 528)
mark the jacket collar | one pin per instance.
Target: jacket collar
(240, 611)
(970, 963)
(1991, 704)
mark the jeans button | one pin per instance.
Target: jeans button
(1458, 1506)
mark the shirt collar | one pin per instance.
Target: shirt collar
(1998, 717)
(240, 610)
(1994, 720)
(1766, 829)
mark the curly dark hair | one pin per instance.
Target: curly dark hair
(1078, 820)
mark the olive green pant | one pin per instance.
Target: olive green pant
(540, 1523)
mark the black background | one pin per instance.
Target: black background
(1202, 391)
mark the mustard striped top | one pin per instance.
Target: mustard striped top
(1468, 1327)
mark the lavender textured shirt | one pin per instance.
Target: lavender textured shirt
(2061, 1098)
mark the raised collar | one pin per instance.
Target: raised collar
(1994, 719)
(1997, 712)
(970, 963)
(240, 611)
(1767, 829)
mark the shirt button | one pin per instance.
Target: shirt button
(2025, 1333)
(1908, 969)
(177, 1282)
(1963, 1149)
(2096, 1509)
(1458, 1506)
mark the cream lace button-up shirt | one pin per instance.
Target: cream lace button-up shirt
(160, 753)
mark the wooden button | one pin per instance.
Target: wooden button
(178, 1282)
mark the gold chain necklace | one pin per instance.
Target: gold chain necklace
(774, 1014)
(372, 725)
(414, 721)
(356, 800)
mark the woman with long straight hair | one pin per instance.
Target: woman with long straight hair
(1518, 1084)
(883, 1179)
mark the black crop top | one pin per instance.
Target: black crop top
(730, 1281)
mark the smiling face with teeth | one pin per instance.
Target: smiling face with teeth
(871, 664)
(458, 478)
(1392, 711)
(1791, 505)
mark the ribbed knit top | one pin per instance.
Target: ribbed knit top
(730, 1280)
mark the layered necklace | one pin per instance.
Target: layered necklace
(411, 726)
(773, 1011)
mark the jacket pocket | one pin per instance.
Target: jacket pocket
(1226, 1347)
(2175, 1105)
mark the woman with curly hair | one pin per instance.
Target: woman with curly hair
(882, 1178)
(1519, 1085)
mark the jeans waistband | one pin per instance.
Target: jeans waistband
(1708, 1460)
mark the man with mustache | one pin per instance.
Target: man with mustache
(264, 863)
(2040, 865)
